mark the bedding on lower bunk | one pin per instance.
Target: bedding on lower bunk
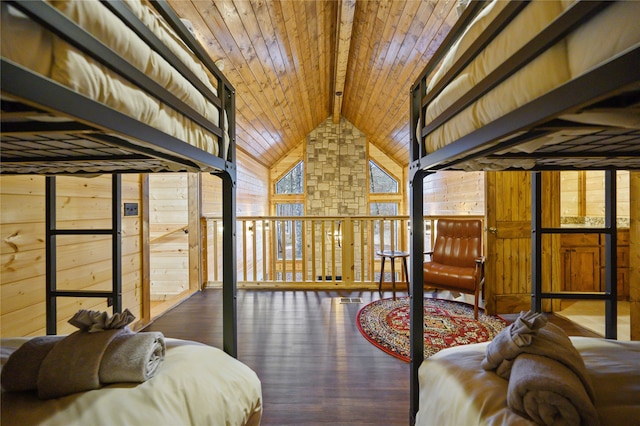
(194, 384)
(28, 44)
(488, 383)
(614, 30)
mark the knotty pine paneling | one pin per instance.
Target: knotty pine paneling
(83, 261)
(281, 58)
(253, 187)
(591, 193)
(169, 243)
(286, 163)
(454, 193)
(252, 193)
(391, 43)
(211, 195)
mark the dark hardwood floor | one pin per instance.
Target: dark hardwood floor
(315, 366)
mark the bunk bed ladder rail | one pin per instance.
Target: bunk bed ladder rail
(610, 294)
(52, 293)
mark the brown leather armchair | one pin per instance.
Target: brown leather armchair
(456, 261)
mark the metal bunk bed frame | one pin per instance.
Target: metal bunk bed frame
(101, 135)
(616, 82)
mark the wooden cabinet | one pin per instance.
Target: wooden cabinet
(580, 262)
(623, 264)
(583, 262)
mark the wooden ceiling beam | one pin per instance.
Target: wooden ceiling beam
(346, 9)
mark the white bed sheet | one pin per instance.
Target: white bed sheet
(26, 43)
(610, 33)
(195, 384)
(456, 390)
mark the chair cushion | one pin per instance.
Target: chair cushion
(455, 277)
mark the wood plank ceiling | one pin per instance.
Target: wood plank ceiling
(296, 63)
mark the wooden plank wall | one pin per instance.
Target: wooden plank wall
(591, 185)
(286, 163)
(168, 234)
(84, 262)
(454, 193)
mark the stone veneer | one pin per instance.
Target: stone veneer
(336, 170)
(336, 174)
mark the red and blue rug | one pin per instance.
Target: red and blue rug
(385, 323)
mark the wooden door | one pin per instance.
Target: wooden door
(508, 239)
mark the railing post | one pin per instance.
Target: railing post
(348, 266)
(205, 253)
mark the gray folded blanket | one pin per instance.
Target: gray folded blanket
(104, 351)
(549, 393)
(531, 334)
(548, 380)
(20, 372)
(132, 357)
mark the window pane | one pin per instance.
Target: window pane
(292, 182)
(383, 209)
(380, 241)
(291, 228)
(380, 182)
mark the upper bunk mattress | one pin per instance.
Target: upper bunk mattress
(28, 44)
(612, 31)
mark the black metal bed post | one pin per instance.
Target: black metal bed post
(229, 306)
(229, 271)
(610, 250)
(50, 253)
(416, 198)
(116, 242)
(536, 241)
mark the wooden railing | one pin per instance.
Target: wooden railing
(309, 252)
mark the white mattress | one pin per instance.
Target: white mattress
(195, 384)
(610, 33)
(26, 43)
(456, 390)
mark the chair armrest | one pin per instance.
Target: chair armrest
(479, 270)
(428, 253)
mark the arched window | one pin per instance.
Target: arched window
(293, 181)
(383, 194)
(380, 182)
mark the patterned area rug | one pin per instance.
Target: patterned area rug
(385, 323)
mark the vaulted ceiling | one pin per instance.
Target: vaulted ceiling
(296, 63)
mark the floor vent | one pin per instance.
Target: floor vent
(344, 300)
